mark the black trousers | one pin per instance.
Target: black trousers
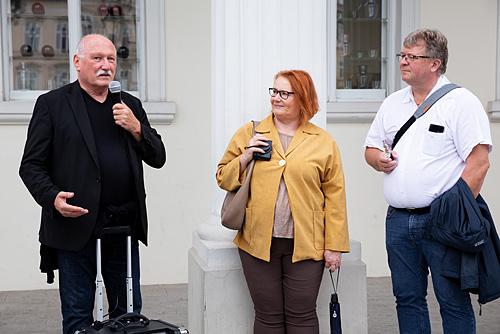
(284, 293)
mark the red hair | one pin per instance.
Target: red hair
(303, 87)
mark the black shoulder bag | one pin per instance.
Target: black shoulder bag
(426, 105)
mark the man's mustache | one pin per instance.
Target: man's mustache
(101, 72)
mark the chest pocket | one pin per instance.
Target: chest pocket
(433, 143)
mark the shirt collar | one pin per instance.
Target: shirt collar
(409, 93)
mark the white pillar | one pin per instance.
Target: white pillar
(252, 40)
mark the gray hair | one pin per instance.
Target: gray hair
(80, 48)
(436, 45)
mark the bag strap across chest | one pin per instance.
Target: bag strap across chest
(423, 108)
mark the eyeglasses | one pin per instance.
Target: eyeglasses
(410, 58)
(283, 93)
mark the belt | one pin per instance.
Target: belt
(415, 211)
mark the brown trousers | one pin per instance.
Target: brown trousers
(284, 293)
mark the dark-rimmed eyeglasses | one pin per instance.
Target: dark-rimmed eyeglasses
(283, 93)
(410, 58)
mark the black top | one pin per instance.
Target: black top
(117, 184)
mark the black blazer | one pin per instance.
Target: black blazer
(60, 155)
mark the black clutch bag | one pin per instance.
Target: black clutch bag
(266, 156)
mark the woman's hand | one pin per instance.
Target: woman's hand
(253, 146)
(332, 259)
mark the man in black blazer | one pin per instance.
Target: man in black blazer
(82, 163)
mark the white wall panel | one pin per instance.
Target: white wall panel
(251, 42)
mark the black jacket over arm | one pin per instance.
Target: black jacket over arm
(60, 155)
(464, 224)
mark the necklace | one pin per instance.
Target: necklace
(418, 102)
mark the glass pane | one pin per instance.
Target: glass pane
(360, 44)
(39, 44)
(116, 20)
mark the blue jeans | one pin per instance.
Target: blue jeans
(411, 253)
(77, 276)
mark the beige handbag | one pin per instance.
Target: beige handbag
(235, 203)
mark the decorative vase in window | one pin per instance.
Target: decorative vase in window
(47, 51)
(346, 46)
(123, 52)
(37, 8)
(103, 10)
(23, 75)
(115, 10)
(26, 50)
(371, 9)
(362, 77)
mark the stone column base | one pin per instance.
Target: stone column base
(219, 301)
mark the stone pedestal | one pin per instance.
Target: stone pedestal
(351, 291)
(219, 301)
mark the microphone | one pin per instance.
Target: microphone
(115, 88)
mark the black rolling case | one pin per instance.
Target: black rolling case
(129, 323)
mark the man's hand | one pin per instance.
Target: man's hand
(332, 259)
(375, 158)
(125, 118)
(66, 209)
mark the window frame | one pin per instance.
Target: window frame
(494, 106)
(16, 107)
(403, 17)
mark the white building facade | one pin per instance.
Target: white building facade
(199, 88)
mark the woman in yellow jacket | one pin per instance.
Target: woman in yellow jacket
(296, 220)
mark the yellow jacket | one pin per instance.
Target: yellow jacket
(313, 175)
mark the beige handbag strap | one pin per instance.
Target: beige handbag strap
(255, 124)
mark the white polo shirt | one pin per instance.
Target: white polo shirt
(429, 163)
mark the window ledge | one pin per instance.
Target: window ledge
(16, 112)
(494, 111)
(352, 111)
(160, 112)
(19, 112)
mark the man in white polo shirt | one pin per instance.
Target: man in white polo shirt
(451, 140)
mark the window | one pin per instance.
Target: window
(61, 77)
(363, 39)
(62, 42)
(148, 74)
(26, 20)
(361, 55)
(32, 35)
(494, 106)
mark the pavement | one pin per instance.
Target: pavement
(38, 311)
